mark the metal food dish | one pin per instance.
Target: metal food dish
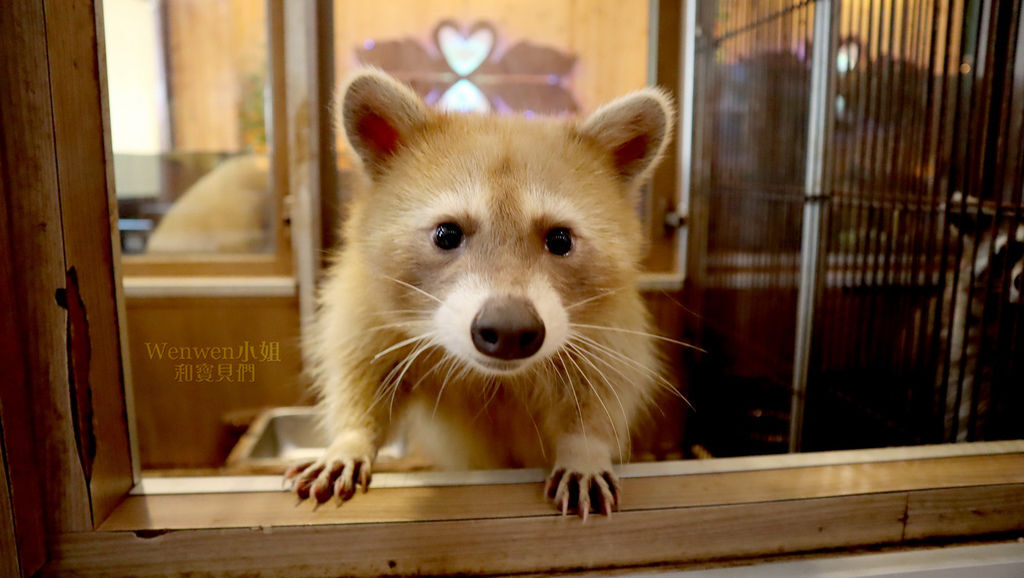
(278, 437)
(281, 436)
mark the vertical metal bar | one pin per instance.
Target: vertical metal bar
(948, 124)
(1001, 58)
(687, 59)
(822, 89)
(976, 112)
(301, 90)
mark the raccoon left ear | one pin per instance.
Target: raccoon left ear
(635, 130)
(379, 114)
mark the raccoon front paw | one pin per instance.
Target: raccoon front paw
(583, 492)
(346, 464)
(330, 476)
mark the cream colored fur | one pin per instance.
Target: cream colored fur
(226, 211)
(391, 336)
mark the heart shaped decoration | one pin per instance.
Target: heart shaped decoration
(464, 53)
(464, 96)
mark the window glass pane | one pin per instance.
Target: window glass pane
(212, 314)
(186, 82)
(916, 334)
(509, 57)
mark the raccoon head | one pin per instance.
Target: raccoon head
(494, 235)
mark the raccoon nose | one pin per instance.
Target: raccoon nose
(507, 328)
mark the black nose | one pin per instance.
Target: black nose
(507, 328)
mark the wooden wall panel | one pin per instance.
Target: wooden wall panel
(10, 558)
(212, 45)
(182, 425)
(181, 416)
(22, 533)
(30, 174)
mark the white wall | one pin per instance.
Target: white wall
(134, 79)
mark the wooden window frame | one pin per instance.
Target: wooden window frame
(65, 501)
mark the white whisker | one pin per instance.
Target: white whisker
(635, 332)
(585, 355)
(600, 356)
(411, 286)
(397, 324)
(494, 386)
(401, 344)
(440, 392)
(579, 408)
(408, 363)
(423, 312)
(596, 297)
(529, 414)
(597, 394)
(666, 384)
(430, 371)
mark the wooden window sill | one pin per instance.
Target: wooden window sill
(197, 286)
(507, 528)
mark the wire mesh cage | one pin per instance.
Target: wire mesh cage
(857, 224)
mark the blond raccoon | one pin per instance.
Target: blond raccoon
(487, 288)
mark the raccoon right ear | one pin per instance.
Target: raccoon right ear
(379, 114)
(634, 130)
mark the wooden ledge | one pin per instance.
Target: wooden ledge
(508, 528)
(421, 504)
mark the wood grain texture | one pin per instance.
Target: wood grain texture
(958, 513)
(180, 419)
(116, 261)
(515, 500)
(548, 542)
(535, 543)
(21, 494)
(31, 189)
(12, 557)
(212, 45)
(83, 159)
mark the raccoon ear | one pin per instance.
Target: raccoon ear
(635, 130)
(379, 114)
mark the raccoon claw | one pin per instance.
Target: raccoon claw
(329, 477)
(288, 480)
(583, 492)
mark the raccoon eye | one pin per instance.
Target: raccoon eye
(558, 241)
(448, 236)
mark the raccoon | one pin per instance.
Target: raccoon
(487, 290)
